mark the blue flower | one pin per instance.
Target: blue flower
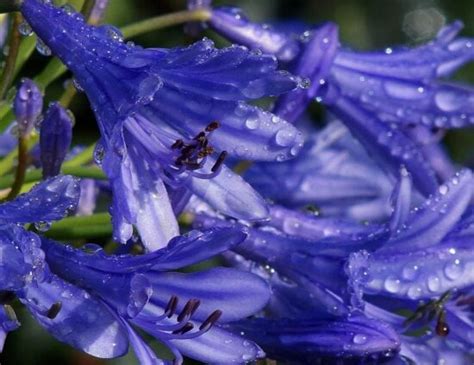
(157, 110)
(330, 173)
(92, 301)
(357, 339)
(378, 95)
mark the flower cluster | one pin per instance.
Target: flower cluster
(230, 226)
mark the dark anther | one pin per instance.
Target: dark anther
(171, 306)
(186, 328)
(189, 309)
(206, 151)
(200, 136)
(212, 126)
(209, 322)
(219, 161)
(178, 144)
(6, 296)
(54, 310)
(442, 328)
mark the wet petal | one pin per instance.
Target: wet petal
(47, 201)
(242, 294)
(82, 321)
(229, 194)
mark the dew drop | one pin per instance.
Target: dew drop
(42, 48)
(42, 226)
(25, 29)
(392, 284)
(453, 270)
(443, 189)
(99, 154)
(433, 283)
(252, 123)
(359, 339)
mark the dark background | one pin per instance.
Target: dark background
(366, 24)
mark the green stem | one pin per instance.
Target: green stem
(13, 46)
(35, 175)
(163, 21)
(82, 158)
(82, 227)
(20, 174)
(7, 163)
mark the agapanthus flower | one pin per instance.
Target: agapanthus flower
(93, 301)
(378, 95)
(329, 174)
(315, 313)
(353, 340)
(157, 110)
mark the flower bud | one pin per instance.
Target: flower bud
(55, 139)
(27, 106)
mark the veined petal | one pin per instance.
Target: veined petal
(237, 294)
(390, 146)
(47, 201)
(430, 223)
(422, 274)
(309, 341)
(219, 346)
(229, 194)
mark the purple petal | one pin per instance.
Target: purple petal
(219, 346)
(233, 25)
(242, 295)
(229, 194)
(82, 321)
(430, 223)
(47, 201)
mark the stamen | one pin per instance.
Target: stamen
(54, 310)
(193, 153)
(442, 328)
(178, 144)
(10, 312)
(171, 306)
(219, 161)
(189, 309)
(209, 322)
(212, 126)
(186, 328)
(7, 296)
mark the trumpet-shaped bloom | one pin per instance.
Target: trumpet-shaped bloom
(92, 301)
(157, 110)
(378, 95)
(330, 173)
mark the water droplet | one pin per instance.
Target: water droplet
(42, 226)
(392, 284)
(285, 137)
(433, 283)
(453, 270)
(42, 48)
(99, 154)
(388, 51)
(359, 339)
(25, 29)
(443, 189)
(252, 123)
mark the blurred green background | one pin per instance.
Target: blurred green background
(363, 24)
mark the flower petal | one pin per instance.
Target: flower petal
(242, 294)
(47, 201)
(82, 321)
